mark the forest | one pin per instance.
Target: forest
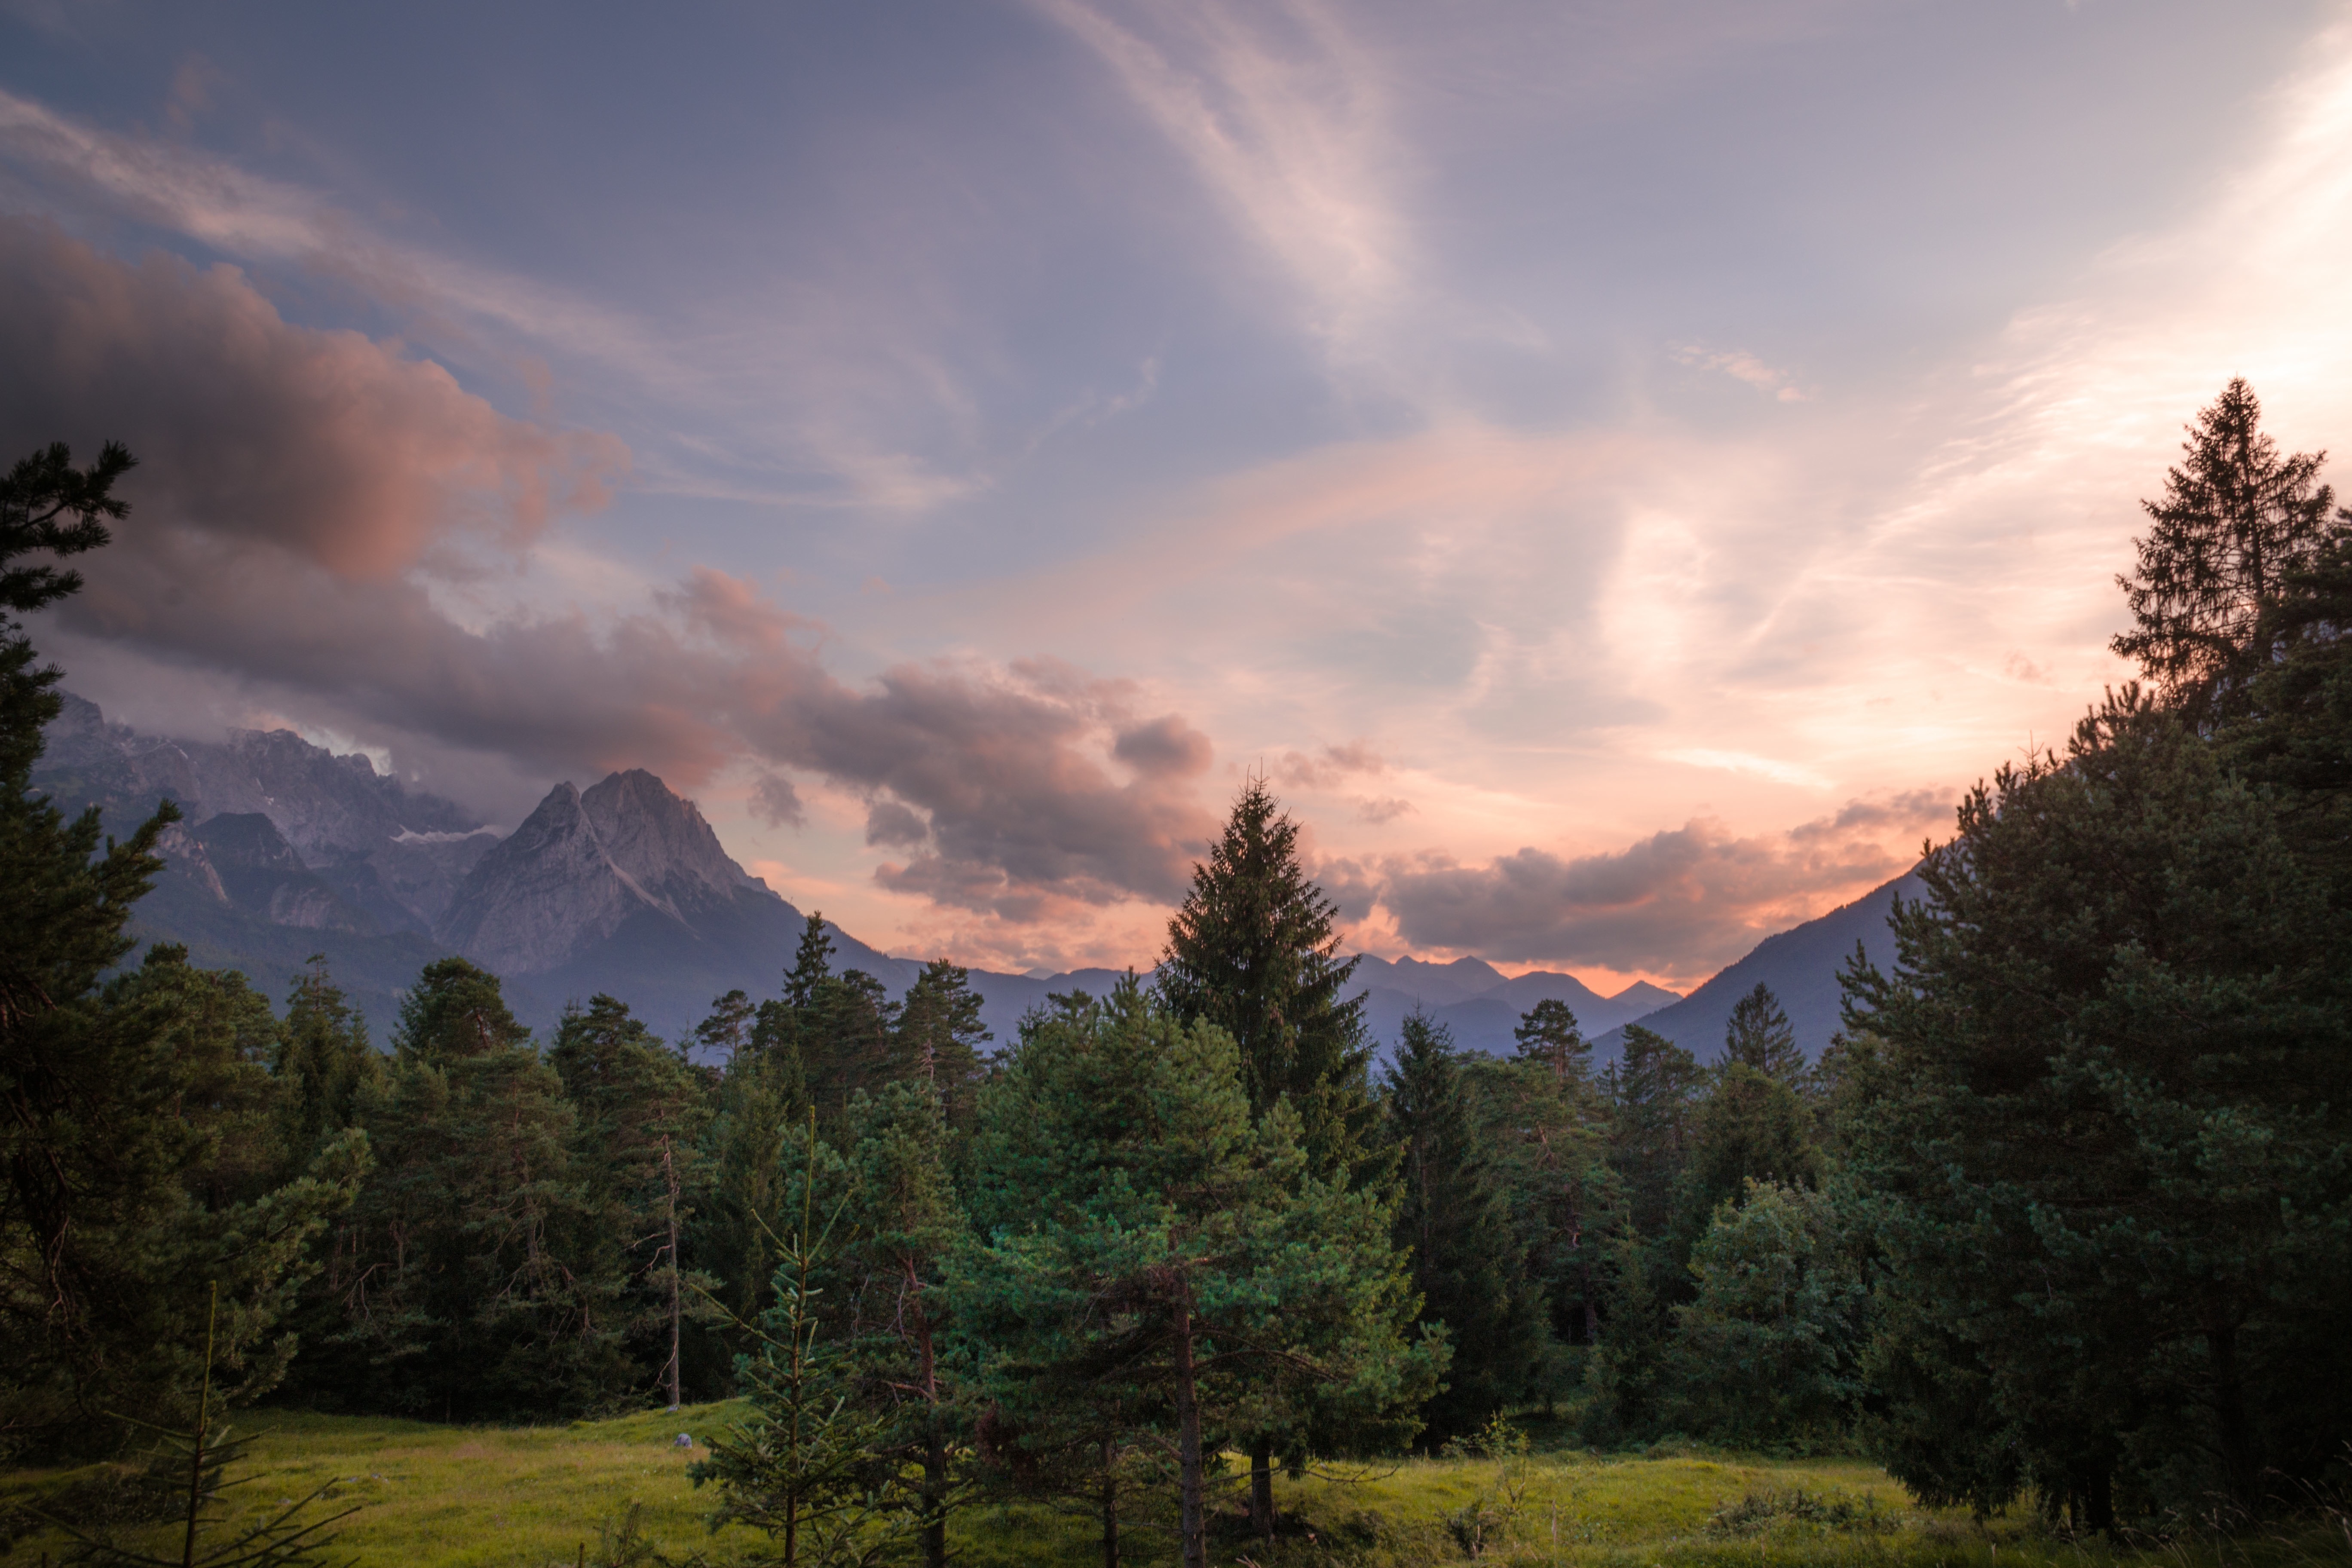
(2061, 1222)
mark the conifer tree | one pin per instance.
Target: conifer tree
(727, 1030)
(2236, 518)
(908, 1221)
(638, 1115)
(1750, 1127)
(136, 1115)
(1150, 1251)
(1650, 1092)
(1253, 951)
(2113, 1058)
(1759, 1036)
(1548, 1033)
(471, 1292)
(1545, 1134)
(1468, 1267)
(806, 1467)
(1767, 1350)
(939, 1036)
(324, 1062)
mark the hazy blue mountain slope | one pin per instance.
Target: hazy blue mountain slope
(1799, 964)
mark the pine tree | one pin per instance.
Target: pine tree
(1253, 951)
(1650, 1092)
(1467, 1266)
(939, 1036)
(2236, 518)
(728, 1030)
(472, 1290)
(136, 1115)
(1759, 1036)
(1548, 1033)
(1152, 1255)
(1546, 1136)
(908, 1221)
(638, 1112)
(2113, 1059)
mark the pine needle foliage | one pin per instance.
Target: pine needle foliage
(2237, 517)
(1253, 952)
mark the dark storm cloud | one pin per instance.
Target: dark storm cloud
(775, 802)
(1167, 745)
(1685, 901)
(309, 504)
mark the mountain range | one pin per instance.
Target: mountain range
(287, 850)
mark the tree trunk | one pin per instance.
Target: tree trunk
(2230, 1413)
(935, 1449)
(1110, 1505)
(1191, 1526)
(1262, 1488)
(669, 1174)
(935, 1486)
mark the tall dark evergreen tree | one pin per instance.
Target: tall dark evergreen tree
(1759, 1036)
(138, 1141)
(471, 1289)
(1748, 1127)
(1467, 1261)
(2236, 518)
(2113, 1059)
(894, 1267)
(1548, 1033)
(324, 1062)
(1253, 951)
(638, 1120)
(939, 1036)
(1651, 1092)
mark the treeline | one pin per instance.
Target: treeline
(2063, 1215)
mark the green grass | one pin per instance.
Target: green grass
(443, 1497)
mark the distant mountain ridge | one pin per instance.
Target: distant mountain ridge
(1801, 966)
(624, 888)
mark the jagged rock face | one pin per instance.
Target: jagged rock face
(422, 871)
(263, 875)
(387, 856)
(183, 855)
(582, 864)
(661, 841)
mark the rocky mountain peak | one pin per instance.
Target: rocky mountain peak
(660, 840)
(581, 865)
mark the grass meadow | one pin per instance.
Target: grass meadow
(616, 1492)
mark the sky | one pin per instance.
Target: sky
(1619, 473)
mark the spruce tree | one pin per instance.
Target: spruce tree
(1650, 1091)
(1468, 1266)
(2113, 1059)
(137, 1115)
(938, 1038)
(2236, 518)
(324, 1062)
(474, 1289)
(1253, 952)
(908, 1222)
(1748, 1128)
(1759, 1036)
(638, 1116)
